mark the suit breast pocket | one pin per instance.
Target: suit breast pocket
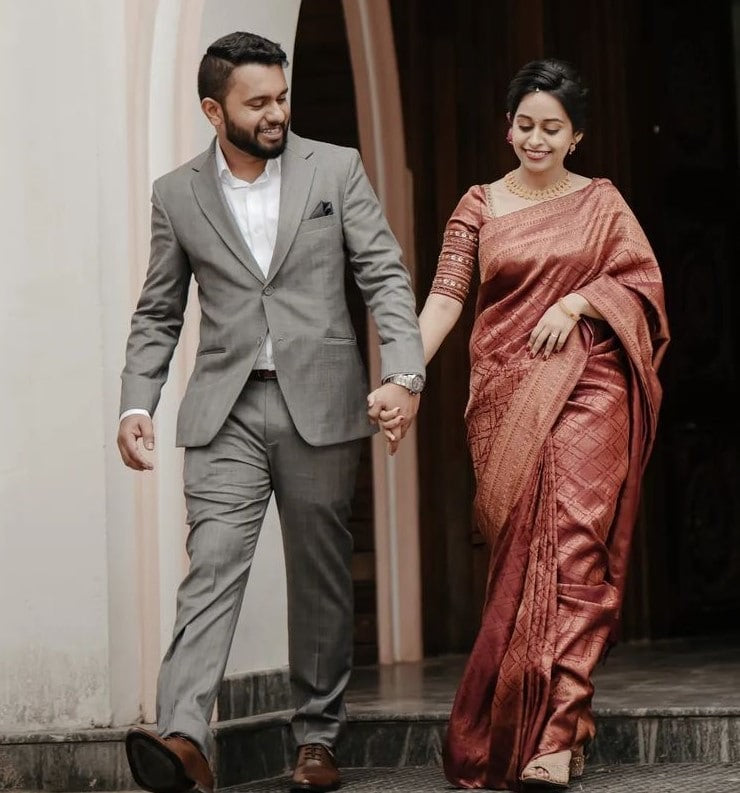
(311, 225)
(211, 351)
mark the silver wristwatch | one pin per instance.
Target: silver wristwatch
(414, 383)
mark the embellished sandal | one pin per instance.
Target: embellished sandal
(577, 762)
(548, 771)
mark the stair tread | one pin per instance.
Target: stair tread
(668, 778)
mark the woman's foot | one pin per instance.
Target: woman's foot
(548, 771)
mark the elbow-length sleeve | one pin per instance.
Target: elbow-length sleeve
(459, 254)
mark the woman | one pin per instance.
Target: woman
(569, 331)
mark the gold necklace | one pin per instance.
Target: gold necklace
(514, 185)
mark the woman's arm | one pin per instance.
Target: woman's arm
(436, 320)
(580, 306)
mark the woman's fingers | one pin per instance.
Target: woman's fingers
(550, 333)
(536, 330)
(550, 342)
(387, 415)
(539, 339)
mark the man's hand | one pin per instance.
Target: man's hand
(394, 408)
(130, 430)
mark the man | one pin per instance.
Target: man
(265, 222)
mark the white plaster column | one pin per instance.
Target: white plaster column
(66, 513)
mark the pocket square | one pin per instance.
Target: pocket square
(322, 209)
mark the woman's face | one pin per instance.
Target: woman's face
(542, 133)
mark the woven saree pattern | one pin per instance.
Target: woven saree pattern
(558, 448)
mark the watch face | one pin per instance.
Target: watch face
(417, 384)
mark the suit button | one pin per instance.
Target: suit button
(268, 290)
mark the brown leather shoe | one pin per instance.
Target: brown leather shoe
(167, 765)
(315, 770)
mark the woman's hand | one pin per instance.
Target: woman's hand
(553, 329)
(394, 427)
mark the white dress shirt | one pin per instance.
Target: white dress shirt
(255, 207)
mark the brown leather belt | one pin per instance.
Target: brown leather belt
(263, 374)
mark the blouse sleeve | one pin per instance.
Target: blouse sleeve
(459, 254)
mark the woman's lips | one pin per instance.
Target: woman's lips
(536, 155)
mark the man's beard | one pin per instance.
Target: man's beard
(247, 142)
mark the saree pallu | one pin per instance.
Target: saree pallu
(558, 447)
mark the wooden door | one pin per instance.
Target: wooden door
(663, 128)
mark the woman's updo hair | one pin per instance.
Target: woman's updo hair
(557, 78)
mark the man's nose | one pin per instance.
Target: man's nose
(276, 113)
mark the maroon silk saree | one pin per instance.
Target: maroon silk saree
(558, 448)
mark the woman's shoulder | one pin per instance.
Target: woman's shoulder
(609, 195)
(475, 193)
(471, 204)
(604, 186)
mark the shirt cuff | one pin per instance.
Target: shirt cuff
(134, 412)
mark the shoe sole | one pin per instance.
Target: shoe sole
(542, 784)
(301, 788)
(155, 768)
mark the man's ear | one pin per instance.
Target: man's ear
(212, 111)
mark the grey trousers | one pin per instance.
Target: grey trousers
(227, 488)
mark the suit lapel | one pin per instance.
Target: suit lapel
(211, 200)
(296, 176)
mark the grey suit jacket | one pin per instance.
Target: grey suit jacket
(301, 301)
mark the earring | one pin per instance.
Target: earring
(572, 148)
(509, 137)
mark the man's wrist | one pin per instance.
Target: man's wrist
(134, 412)
(413, 383)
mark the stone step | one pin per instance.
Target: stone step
(683, 778)
(260, 747)
(665, 703)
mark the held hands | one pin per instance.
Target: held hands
(552, 331)
(393, 408)
(130, 430)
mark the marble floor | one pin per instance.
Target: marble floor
(675, 677)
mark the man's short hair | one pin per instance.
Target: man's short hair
(230, 51)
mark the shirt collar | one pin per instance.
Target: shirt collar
(272, 169)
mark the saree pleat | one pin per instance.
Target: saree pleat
(558, 449)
